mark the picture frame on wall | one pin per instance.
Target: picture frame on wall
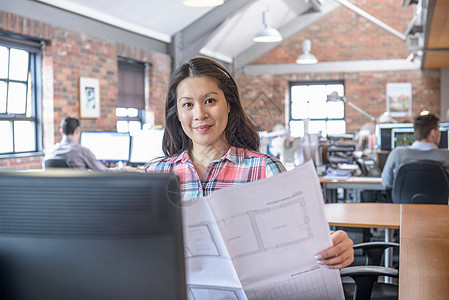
(399, 99)
(89, 96)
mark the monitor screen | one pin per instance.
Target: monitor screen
(402, 137)
(89, 235)
(107, 146)
(146, 145)
(384, 134)
(444, 129)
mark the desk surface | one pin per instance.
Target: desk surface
(425, 221)
(352, 179)
(424, 269)
(364, 215)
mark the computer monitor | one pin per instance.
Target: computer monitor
(402, 137)
(89, 235)
(444, 137)
(107, 146)
(146, 145)
(384, 134)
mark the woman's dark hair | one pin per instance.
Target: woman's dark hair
(69, 124)
(423, 125)
(240, 131)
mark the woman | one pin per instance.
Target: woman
(211, 144)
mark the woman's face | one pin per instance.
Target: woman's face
(202, 110)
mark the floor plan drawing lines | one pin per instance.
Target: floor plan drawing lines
(309, 286)
(200, 241)
(198, 292)
(269, 228)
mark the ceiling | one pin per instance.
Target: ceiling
(437, 35)
(225, 32)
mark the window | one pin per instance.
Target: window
(131, 96)
(20, 113)
(308, 102)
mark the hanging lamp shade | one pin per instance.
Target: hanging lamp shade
(306, 57)
(202, 3)
(268, 34)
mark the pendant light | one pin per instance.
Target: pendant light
(306, 57)
(202, 3)
(268, 34)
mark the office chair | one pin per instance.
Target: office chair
(421, 182)
(365, 277)
(56, 162)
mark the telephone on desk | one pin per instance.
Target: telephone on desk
(369, 167)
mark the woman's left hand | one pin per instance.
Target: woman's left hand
(340, 255)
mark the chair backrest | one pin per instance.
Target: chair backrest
(56, 162)
(421, 182)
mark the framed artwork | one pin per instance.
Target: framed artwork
(89, 95)
(399, 99)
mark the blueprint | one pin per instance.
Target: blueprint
(258, 241)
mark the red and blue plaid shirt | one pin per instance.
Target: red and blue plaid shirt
(237, 166)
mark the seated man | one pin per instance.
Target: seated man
(425, 147)
(75, 154)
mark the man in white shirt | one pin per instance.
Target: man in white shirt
(425, 147)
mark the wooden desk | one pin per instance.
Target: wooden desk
(425, 221)
(355, 183)
(366, 215)
(424, 269)
(424, 254)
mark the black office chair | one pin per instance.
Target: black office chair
(56, 162)
(421, 182)
(366, 285)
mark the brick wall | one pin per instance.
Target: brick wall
(342, 35)
(67, 56)
(265, 97)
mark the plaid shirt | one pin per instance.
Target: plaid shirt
(237, 166)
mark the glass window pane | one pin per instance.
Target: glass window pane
(335, 110)
(336, 127)
(122, 126)
(18, 64)
(3, 62)
(300, 106)
(133, 112)
(6, 134)
(121, 112)
(317, 101)
(2, 97)
(296, 128)
(134, 126)
(24, 136)
(17, 98)
(339, 88)
(317, 127)
(29, 108)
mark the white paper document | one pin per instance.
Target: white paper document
(258, 241)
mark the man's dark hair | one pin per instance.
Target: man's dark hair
(424, 124)
(240, 131)
(69, 124)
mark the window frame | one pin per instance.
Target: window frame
(140, 112)
(291, 84)
(33, 47)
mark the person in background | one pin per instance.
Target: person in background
(211, 144)
(76, 155)
(425, 147)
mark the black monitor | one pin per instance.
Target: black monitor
(87, 235)
(107, 146)
(444, 129)
(146, 145)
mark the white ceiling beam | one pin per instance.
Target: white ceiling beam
(192, 38)
(338, 66)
